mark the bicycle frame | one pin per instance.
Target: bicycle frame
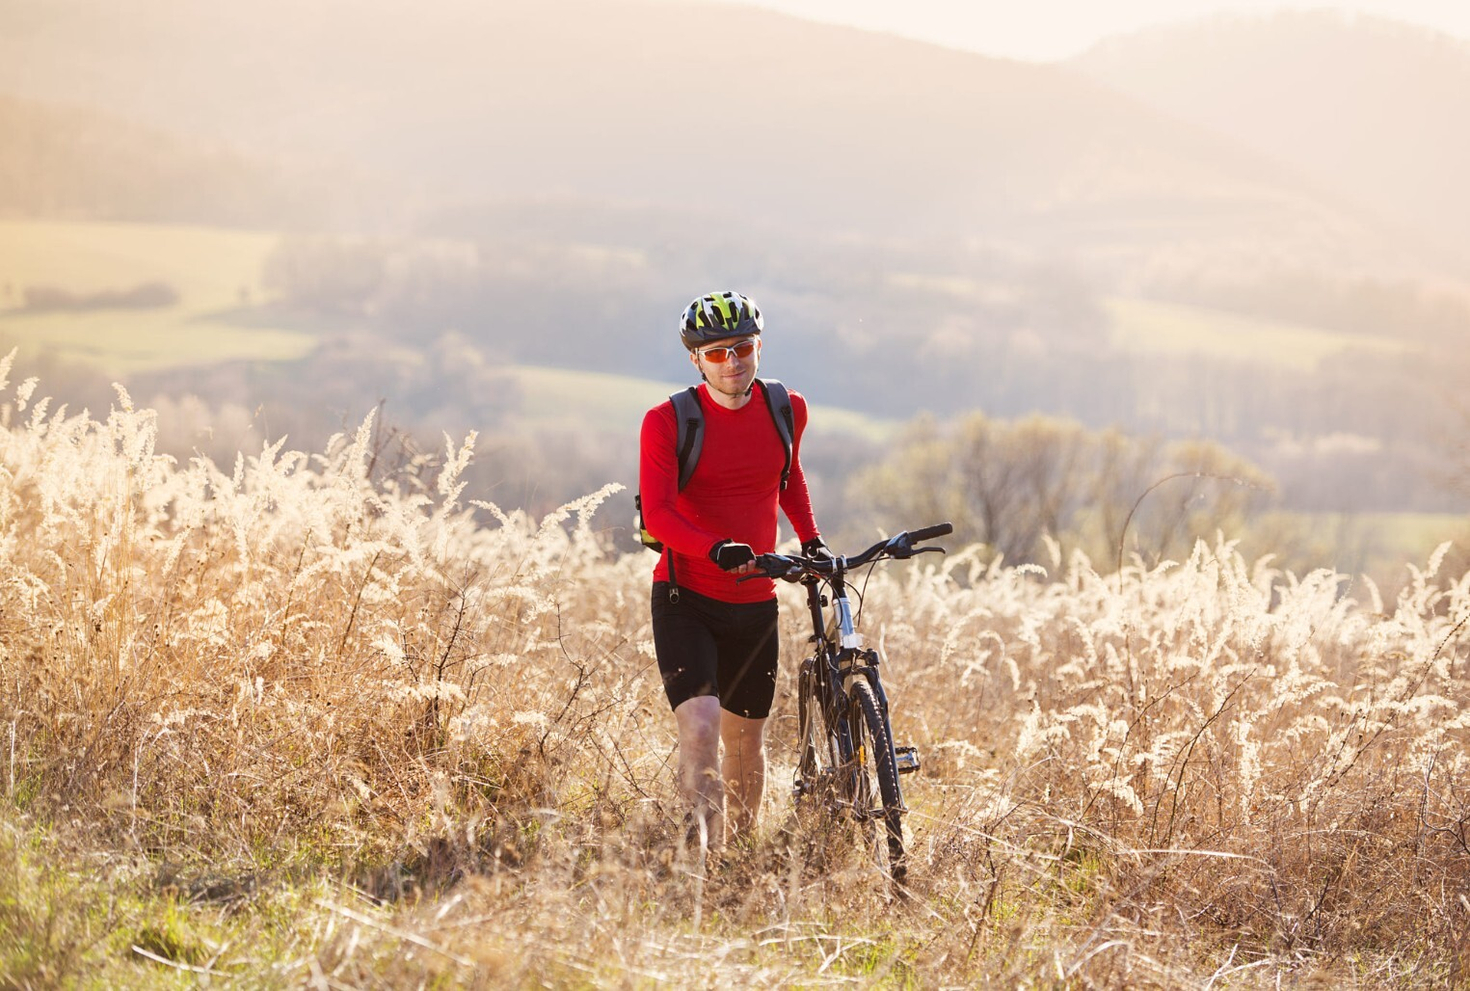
(847, 758)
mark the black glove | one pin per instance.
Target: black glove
(817, 549)
(730, 556)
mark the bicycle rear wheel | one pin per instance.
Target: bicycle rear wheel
(813, 741)
(876, 796)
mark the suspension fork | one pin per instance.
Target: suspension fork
(846, 637)
(849, 642)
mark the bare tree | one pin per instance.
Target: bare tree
(1011, 484)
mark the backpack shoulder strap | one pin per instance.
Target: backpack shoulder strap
(778, 401)
(690, 417)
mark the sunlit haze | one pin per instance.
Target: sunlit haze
(1245, 231)
(1055, 29)
(345, 375)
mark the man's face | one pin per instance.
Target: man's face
(734, 375)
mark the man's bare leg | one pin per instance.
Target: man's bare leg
(698, 722)
(744, 770)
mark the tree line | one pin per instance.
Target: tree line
(945, 328)
(1031, 489)
(1040, 486)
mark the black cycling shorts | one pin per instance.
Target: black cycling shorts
(725, 649)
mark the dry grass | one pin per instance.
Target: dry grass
(292, 723)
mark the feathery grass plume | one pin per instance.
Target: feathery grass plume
(313, 727)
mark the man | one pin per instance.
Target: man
(716, 637)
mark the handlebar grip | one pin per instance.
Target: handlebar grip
(767, 566)
(930, 532)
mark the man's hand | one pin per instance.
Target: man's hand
(817, 549)
(738, 559)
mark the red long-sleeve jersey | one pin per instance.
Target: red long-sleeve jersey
(733, 494)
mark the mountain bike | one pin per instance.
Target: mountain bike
(847, 763)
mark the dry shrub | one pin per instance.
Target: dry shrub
(288, 663)
(295, 673)
(1206, 746)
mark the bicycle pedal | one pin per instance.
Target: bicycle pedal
(906, 759)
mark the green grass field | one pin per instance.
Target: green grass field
(209, 266)
(214, 271)
(1150, 327)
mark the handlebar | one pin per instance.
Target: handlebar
(930, 532)
(900, 546)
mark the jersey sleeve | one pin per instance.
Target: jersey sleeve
(796, 499)
(658, 486)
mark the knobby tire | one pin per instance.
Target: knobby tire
(873, 753)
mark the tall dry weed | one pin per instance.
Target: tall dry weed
(284, 661)
(1208, 741)
(444, 720)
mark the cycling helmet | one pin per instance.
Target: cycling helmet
(718, 315)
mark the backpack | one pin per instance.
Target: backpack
(691, 439)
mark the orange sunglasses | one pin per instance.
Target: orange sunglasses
(719, 354)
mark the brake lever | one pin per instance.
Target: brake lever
(763, 563)
(899, 548)
(903, 552)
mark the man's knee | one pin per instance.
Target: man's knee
(744, 739)
(699, 723)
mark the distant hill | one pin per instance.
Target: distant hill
(745, 115)
(1370, 107)
(547, 184)
(70, 162)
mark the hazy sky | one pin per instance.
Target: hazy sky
(1053, 29)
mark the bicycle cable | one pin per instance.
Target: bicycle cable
(857, 617)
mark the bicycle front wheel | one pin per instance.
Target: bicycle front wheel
(876, 796)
